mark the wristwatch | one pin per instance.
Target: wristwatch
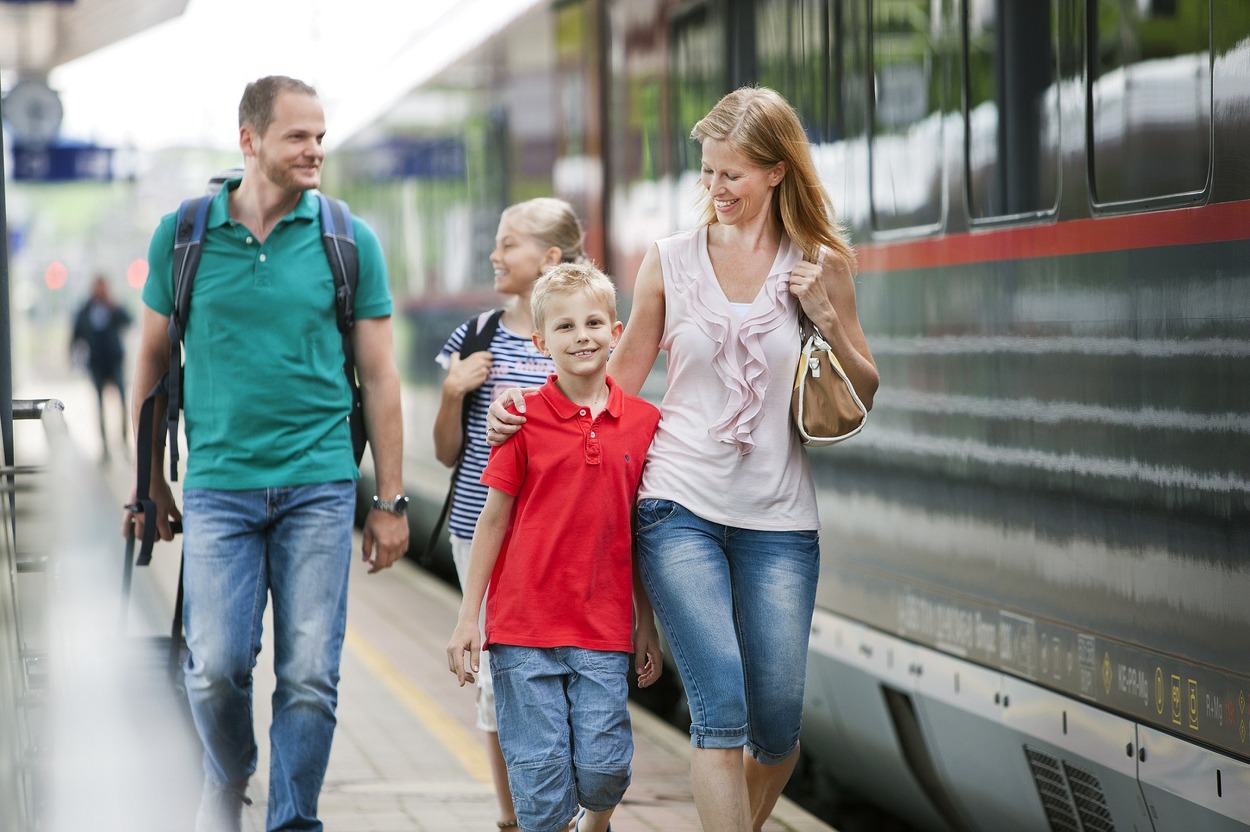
(397, 506)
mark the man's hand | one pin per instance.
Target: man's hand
(166, 510)
(385, 539)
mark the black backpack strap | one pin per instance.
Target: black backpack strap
(339, 238)
(479, 332)
(188, 242)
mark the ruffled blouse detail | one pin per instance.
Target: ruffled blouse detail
(738, 359)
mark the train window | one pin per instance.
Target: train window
(698, 77)
(906, 147)
(1149, 99)
(1011, 108)
(634, 77)
(792, 43)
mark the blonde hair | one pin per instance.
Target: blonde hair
(566, 279)
(763, 127)
(549, 222)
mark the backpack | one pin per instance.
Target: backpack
(479, 332)
(338, 238)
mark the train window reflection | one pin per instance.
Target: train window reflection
(1012, 108)
(793, 43)
(906, 146)
(698, 60)
(1150, 99)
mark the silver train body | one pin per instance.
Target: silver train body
(1034, 610)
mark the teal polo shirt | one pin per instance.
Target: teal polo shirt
(266, 403)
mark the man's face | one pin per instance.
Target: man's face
(289, 153)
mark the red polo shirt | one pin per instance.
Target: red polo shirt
(564, 574)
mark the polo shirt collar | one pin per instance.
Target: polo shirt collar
(219, 210)
(566, 409)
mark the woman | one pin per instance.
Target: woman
(727, 525)
(533, 236)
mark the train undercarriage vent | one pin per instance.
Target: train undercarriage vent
(1072, 797)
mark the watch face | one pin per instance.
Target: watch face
(401, 504)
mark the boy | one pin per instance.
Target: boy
(554, 543)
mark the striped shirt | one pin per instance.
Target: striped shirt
(517, 363)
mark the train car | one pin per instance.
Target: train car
(1033, 606)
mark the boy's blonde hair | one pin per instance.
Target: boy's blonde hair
(565, 279)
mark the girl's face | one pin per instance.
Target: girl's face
(740, 190)
(519, 260)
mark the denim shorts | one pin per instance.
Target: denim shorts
(736, 607)
(564, 730)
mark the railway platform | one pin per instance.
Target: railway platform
(406, 754)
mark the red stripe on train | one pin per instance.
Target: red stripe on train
(1206, 224)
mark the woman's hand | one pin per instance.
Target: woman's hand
(809, 287)
(501, 422)
(826, 291)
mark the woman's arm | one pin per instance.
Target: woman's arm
(827, 294)
(639, 346)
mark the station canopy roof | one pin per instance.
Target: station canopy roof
(38, 35)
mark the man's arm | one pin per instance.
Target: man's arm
(385, 534)
(151, 363)
(492, 524)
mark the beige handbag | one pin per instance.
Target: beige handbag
(825, 407)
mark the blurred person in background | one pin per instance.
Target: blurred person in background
(96, 344)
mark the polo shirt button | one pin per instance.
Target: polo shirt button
(592, 434)
(262, 258)
(249, 241)
(581, 412)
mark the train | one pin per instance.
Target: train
(1032, 611)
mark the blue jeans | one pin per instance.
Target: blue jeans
(564, 730)
(238, 548)
(736, 607)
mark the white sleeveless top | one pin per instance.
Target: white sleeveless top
(725, 447)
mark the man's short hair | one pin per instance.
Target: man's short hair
(256, 106)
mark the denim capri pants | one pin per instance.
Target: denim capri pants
(736, 607)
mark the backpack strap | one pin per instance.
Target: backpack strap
(188, 239)
(479, 332)
(339, 238)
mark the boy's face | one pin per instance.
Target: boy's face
(578, 334)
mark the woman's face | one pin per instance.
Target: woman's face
(740, 190)
(518, 260)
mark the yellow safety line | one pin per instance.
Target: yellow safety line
(463, 746)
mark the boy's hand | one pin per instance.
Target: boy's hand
(465, 639)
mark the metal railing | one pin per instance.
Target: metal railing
(23, 632)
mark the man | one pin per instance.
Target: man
(269, 487)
